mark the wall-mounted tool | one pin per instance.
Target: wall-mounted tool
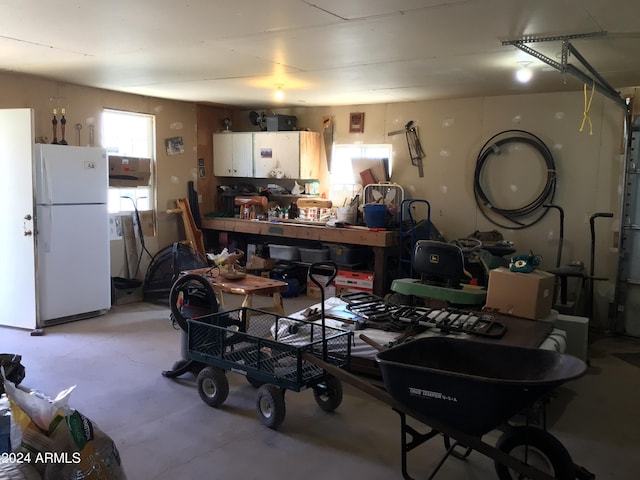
(413, 142)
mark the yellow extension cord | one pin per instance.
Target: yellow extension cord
(587, 107)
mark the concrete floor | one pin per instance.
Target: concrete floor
(164, 431)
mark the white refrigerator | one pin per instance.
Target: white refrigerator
(73, 278)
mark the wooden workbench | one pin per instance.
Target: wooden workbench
(383, 243)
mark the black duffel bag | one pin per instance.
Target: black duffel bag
(13, 369)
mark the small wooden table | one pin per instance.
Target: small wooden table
(248, 286)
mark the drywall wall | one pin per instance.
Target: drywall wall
(84, 107)
(452, 132)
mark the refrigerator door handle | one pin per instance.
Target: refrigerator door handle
(46, 182)
(44, 227)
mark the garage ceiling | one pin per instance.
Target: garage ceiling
(321, 52)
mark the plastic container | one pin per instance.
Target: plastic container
(389, 194)
(312, 255)
(346, 214)
(375, 215)
(286, 272)
(348, 254)
(284, 252)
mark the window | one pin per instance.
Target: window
(347, 163)
(131, 135)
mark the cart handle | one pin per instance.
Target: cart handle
(321, 267)
(373, 343)
(315, 268)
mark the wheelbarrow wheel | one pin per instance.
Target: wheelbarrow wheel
(328, 393)
(213, 386)
(270, 405)
(536, 448)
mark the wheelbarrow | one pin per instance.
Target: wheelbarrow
(463, 389)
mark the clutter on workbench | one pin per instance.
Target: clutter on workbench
(348, 214)
(297, 188)
(389, 194)
(375, 215)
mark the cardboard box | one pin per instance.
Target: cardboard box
(257, 262)
(347, 280)
(129, 171)
(279, 123)
(527, 295)
(314, 291)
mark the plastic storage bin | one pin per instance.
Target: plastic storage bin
(284, 252)
(348, 254)
(389, 194)
(312, 255)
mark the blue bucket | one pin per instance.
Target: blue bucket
(375, 215)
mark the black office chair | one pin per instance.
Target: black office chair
(441, 264)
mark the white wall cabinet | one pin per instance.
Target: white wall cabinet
(286, 154)
(233, 154)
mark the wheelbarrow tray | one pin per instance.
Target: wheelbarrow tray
(469, 385)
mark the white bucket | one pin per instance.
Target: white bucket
(346, 214)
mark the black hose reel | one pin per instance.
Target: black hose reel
(525, 215)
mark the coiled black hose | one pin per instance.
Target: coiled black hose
(519, 217)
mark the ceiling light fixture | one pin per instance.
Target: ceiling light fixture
(279, 95)
(524, 73)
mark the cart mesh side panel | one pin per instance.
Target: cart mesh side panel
(266, 346)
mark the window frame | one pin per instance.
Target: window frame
(118, 196)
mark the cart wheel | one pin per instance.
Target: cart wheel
(270, 405)
(255, 383)
(213, 386)
(328, 394)
(196, 367)
(536, 448)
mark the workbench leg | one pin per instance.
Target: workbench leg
(379, 271)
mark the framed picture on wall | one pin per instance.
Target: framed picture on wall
(174, 145)
(356, 122)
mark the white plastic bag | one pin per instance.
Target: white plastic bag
(62, 444)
